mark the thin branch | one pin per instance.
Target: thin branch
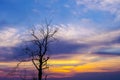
(45, 60)
(35, 64)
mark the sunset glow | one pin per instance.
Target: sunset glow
(86, 46)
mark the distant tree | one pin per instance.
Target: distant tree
(42, 36)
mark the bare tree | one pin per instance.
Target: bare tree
(42, 36)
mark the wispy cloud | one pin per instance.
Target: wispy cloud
(9, 37)
(111, 6)
(89, 40)
(72, 39)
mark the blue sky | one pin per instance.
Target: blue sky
(89, 32)
(29, 12)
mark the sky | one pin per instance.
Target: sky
(88, 46)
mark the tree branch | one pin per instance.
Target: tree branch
(35, 64)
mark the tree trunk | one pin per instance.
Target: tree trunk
(40, 69)
(40, 74)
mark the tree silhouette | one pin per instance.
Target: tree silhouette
(42, 36)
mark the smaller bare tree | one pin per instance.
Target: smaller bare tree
(42, 36)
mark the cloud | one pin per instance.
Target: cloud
(108, 51)
(105, 37)
(9, 37)
(85, 63)
(76, 46)
(107, 40)
(77, 31)
(86, 39)
(10, 44)
(111, 6)
(66, 47)
(9, 54)
(83, 39)
(78, 39)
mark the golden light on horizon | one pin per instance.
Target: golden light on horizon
(70, 66)
(62, 62)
